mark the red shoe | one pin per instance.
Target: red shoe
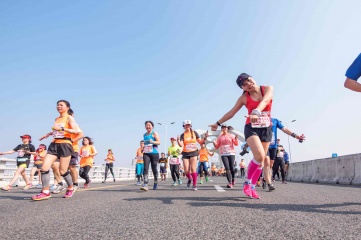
(41, 196)
(69, 193)
(86, 185)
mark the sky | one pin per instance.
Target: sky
(120, 63)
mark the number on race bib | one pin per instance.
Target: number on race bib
(226, 149)
(191, 147)
(263, 121)
(148, 148)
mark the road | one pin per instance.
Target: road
(121, 211)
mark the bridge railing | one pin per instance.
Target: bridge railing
(340, 170)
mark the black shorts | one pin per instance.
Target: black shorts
(38, 166)
(60, 149)
(272, 153)
(74, 159)
(287, 162)
(21, 161)
(163, 170)
(264, 134)
(188, 155)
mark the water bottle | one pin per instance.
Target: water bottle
(301, 140)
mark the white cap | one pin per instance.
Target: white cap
(185, 122)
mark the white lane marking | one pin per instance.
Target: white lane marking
(211, 180)
(219, 188)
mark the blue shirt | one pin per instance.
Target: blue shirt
(275, 124)
(354, 71)
(147, 144)
(285, 156)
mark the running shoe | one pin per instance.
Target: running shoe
(103, 181)
(52, 188)
(189, 183)
(27, 186)
(230, 185)
(207, 178)
(271, 187)
(138, 184)
(254, 193)
(201, 182)
(86, 185)
(247, 189)
(39, 185)
(284, 182)
(155, 186)
(264, 184)
(194, 188)
(174, 184)
(59, 189)
(69, 193)
(41, 196)
(179, 182)
(144, 187)
(113, 179)
(6, 188)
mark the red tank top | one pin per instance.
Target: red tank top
(251, 105)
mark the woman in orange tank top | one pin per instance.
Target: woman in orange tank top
(257, 131)
(61, 147)
(109, 165)
(188, 141)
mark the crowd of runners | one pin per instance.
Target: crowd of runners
(187, 155)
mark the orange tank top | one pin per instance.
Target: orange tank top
(189, 142)
(62, 136)
(203, 155)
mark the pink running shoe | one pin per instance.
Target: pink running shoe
(69, 193)
(86, 185)
(6, 188)
(247, 189)
(41, 196)
(254, 193)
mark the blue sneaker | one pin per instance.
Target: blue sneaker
(52, 188)
(155, 186)
(179, 182)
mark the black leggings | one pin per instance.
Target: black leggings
(243, 174)
(84, 173)
(108, 166)
(228, 162)
(174, 170)
(153, 159)
(279, 162)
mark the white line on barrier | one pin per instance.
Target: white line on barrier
(219, 188)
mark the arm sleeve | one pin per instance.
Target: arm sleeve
(354, 71)
(17, 148)
(197, 135)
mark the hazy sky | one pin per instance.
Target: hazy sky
(120, 63)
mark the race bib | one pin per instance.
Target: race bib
(226, 149)
(85, 153)
(280, 154)
(190, 147)
(263, 121)
(162, 164)
(21, 153)
(140, 158)
(174, 160)
(148, 148)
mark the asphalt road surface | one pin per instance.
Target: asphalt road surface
(121, 211)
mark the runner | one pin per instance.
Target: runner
(173, 153)
(150, 154)
(22, 161)
(353, 73)
(225, 143)
(188, 141)
(203, 162)
(272, 150)
(39, 156)
(279, 163)
(139, 166)
(109, 165)
(287, 161)
(60, 148)
(87, 153)
(258, 133)
(163, 162)
(74, 161)
(242, 166)
(214, 170)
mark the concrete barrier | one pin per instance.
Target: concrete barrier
(340, 170)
